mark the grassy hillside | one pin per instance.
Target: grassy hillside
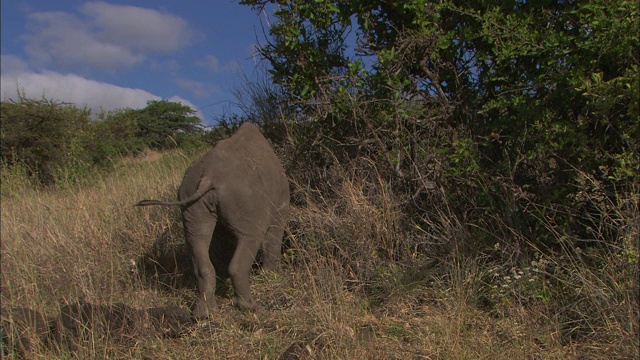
(356, 284)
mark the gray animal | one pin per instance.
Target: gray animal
(234, 200)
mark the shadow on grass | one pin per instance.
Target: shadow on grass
(166, 265)
(26, 332)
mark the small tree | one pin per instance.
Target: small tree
(163, 124)
(43, 135)
(114, 134)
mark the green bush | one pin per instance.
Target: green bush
(165, 125)
(525, 106)
(56, 143)
(43, 136)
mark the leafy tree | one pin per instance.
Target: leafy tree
(114, 134)
(163, 124)
(503, 102)
(43, 135)
(56, 141)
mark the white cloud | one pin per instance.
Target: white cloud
(138, 28)
(77, 90)
(107, 36)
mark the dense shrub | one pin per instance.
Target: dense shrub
(44, 136)
(503, 131)
(48, 142)
(115, 135)
(520, 110)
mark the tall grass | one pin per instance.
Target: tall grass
(75, 243)
(359, 279)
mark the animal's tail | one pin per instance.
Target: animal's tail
(203, 188)
(158, 202)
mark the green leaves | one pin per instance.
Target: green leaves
(557, 81)
(162, 124)
(58, 143)
(42, 135)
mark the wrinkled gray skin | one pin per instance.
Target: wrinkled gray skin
(235, 199)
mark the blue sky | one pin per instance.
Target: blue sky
(117, 54)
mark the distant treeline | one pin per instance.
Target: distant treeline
(50, 141)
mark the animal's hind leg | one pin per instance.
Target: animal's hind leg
(199, 224)
(272, 248)
(240, 267)
(272, 245)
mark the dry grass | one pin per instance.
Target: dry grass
(354, 284)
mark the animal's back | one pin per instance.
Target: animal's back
(247, 152)
(245, 144)
(244, 165)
